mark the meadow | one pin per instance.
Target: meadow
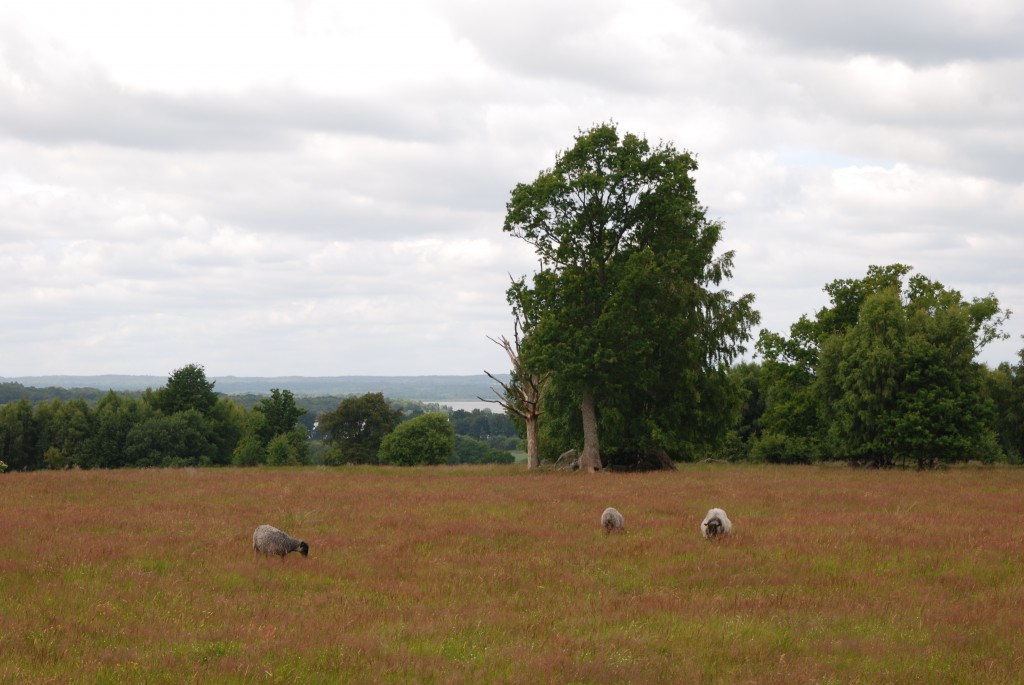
(496, 575)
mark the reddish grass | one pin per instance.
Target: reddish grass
(491, 574)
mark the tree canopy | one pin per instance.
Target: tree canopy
(357, 425)
(886, 374)
(187, 388)
(280, 412)
(427, 439)
(625, 312)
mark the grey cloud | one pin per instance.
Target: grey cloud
(102, 113)
(915, 31)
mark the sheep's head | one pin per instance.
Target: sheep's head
(714, 527)
(304, 549)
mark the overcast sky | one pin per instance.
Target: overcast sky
(318, 188)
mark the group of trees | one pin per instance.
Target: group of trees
(370, 430)
(186, 423)
(629, 341)
(886, 374)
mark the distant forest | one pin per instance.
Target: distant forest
(188, 421)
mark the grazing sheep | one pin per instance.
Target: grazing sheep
(270, 540)
(716, 523)
(611, 520)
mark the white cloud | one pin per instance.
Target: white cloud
(312, 188)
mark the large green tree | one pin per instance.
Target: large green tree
(281, 414)
(187, 388)
(625, 311)
(357, 426)
(885, 374)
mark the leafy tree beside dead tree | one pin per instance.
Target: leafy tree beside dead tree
(625, 314)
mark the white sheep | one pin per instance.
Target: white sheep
(716, 523)
(611, 520)
(270, 540)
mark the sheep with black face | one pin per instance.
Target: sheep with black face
(716, 524)
(270, 540)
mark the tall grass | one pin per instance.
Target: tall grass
(492, 574)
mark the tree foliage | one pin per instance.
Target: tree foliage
(127, 429)
(473, 451)
(425, 440)
(187, 388)
(290, 448)
(626, 312)
(1005, 387)
(181, 439)
(482, 424)
(357, 426)
(885, 375)
(280, 412)
(19, 436)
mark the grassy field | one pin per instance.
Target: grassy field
(492, 574)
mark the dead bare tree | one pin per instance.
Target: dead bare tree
(521, 396)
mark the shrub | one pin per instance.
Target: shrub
(471, 451)
(783, 449)
(288, 449)
(427, 439)
(249, 451)
(333, 456)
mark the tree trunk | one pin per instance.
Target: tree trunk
(532, 443)
(590, 460)
(664, 460)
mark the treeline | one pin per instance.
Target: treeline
(885, 375)
(186, 423)
(12, 392)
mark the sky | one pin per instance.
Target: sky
(297, 187)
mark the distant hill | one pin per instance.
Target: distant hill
(422, 388)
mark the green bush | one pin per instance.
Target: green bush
(783, 449)
(288, 449)
(249, 451)
(426, 439)
(471, 451)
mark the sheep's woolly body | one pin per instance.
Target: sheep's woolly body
(611, 520)
(270, 540)
(715, 524)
